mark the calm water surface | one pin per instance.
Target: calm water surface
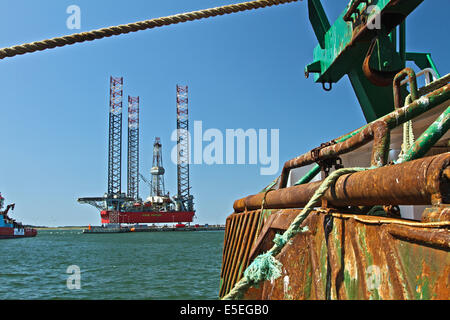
(154, 265)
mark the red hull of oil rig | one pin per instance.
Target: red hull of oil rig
(147, 217)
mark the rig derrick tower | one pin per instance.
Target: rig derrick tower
(183, 156)
(157, 171)
(115, 142)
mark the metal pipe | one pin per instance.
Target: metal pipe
(393, 119)
(309, 175)
(407, 72)
(381, 143)
(418, 182)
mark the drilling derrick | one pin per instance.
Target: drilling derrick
(115, 137)
(157, 171)
(133, 148)
(183, 157)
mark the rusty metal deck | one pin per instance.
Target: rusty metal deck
(369, 257)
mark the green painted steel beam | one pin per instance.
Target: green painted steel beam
(423, 61)
(319, 20)
(343, 41)
(345, 44)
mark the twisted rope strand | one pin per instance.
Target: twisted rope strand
(136, 26)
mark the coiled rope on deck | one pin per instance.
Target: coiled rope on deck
(137, 26)
(265, 266)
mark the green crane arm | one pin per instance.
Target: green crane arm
(362, 44)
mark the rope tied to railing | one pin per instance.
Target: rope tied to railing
(266, 266)
(136, 26)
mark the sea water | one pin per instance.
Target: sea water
(67, 264)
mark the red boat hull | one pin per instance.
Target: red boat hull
(147, 217)
(10, 233)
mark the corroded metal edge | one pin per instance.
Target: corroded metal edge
(369, 258)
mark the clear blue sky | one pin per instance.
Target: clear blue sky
(243, 71)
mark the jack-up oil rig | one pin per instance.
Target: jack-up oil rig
(346, 234)
(120, 208)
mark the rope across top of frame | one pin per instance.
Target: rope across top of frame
(136, 26)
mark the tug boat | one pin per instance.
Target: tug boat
(10, 228)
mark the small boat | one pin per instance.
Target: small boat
(9, 228)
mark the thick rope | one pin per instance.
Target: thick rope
(265, 266)
(136, 26)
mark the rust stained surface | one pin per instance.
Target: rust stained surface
(419, 182)
(367, 259)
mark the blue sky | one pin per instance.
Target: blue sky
(243, 71)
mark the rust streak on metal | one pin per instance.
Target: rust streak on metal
(239, 250)
(242, 228)
(381, 220)
(260, 237)
(407, 72)
(227, 258)
(249, 244)
(381, 143)
(367, 261)
(439, 238)
(235, 247)
(229, 232)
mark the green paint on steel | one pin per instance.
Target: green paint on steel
(422, 268)
(370, 267)
(309, 175)
(422, 291)
(368, 95)
(411, 270)
(351, 286)
(287, 294)
(319, 20)
(337, 242)
(363, 245)
(308, 282)
(423, 61)
(323, 265)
